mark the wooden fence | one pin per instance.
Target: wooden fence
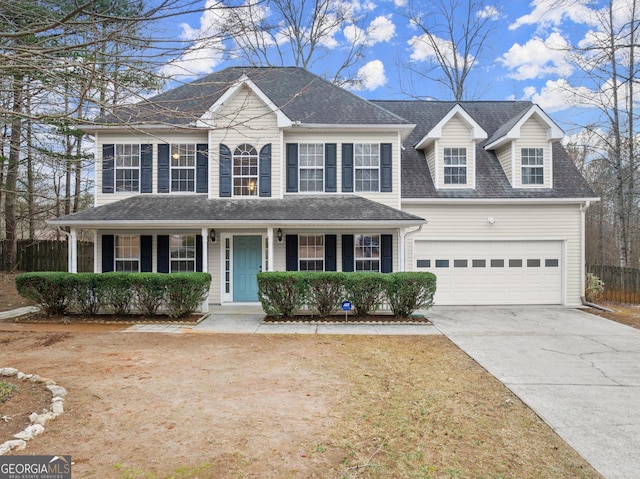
(50, 255)
(620, 284)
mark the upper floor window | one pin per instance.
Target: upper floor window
(183, 167)
(127, 166)
(367, 252)
(245, 171)
(532, 160)
(455, 166)
(127, 253)
(182, 253)
(311, 252)
(367, 166)
(311, 160)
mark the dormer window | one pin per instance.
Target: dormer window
(455, 166)
(532, 166)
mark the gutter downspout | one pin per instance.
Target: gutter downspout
(583, 210)
(403, 245)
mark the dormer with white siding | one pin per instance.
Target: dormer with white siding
(524, 147)
(450, 150)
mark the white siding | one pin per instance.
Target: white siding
(245, 119)
(505, 156)
(533, 135)
(140, 139)
(467, 222)
(456, 134)
(389, 199)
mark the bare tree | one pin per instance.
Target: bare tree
(300, 33)
(607, 58)
(454, 35)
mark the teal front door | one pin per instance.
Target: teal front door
(247, 262)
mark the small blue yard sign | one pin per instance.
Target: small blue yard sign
(346, 306)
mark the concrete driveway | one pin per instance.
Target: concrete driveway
(580, 373)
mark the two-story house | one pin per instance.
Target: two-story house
(272, 169)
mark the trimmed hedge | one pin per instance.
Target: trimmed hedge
(283, 294)
(118, 293)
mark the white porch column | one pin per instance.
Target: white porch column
(271, 254)
(95, 251)
(205, 264)
(401, 250)
(73, 251)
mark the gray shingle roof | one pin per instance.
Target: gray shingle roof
(301, 95)
(491, 182)
(148, 209)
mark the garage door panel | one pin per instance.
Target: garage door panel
(494, 272)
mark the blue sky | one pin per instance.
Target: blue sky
(524, 59)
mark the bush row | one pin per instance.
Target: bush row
(118, 293)
(283, 294)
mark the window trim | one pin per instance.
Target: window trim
(360, 259)
(121, 259)
(309, 247)
(455, 166)
(357, 168)
(531, 167)
(322, 169)
(117, 168)
(254, 188)
(173, 168)
(181, 259)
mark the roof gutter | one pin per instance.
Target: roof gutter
(502, 201)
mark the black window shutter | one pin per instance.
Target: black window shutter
(292, 252)
(348, 263)
(347, 168)
(202, 168)
(164, 168)
(292, 167)
(146, 168)
(199, 253)
(225, 171)
(163, 254)
(330, 253)
(265, 171)
(330, 168)
(387, 253)
(108, 153)
(386, 176)
(146, 253)
(107, 253)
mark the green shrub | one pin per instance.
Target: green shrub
(115, 292)
(409, 291)
(149, 291)
(325, 291)
(85, 293)
(185, 292)
(282, 294)
(365, 290)
(594, 288)
(51, 290)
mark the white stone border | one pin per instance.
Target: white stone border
(37, 420)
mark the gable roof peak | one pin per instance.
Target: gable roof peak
(475, 130)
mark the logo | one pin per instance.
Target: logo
(35, 467)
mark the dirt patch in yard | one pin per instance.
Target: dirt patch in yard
(624, 313)
(9, 297)
(225, 406)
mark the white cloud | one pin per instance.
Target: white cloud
(538, 58)
(423, 49)
(548, 13)
(371, 76)
(557, 95)
(400, 3)
(381, 29)
(201, 58)
(489, 11)
(354, 34)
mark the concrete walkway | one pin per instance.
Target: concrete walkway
(580, 373)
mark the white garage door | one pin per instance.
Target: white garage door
(493, 272)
